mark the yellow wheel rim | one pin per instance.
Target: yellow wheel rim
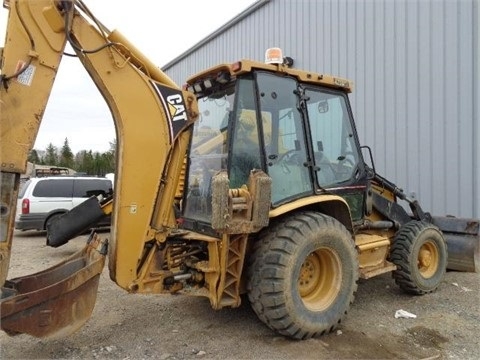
(428, 258)
(320, 279)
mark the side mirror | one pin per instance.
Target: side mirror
(368, 160)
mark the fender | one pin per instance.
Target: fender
(332, 205)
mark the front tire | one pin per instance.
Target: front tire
(304, 275)
(420, 252)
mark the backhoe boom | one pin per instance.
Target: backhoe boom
(151, 115)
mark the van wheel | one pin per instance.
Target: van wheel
(51, 219)
(304, 275)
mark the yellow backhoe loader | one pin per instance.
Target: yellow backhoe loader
(248, 180)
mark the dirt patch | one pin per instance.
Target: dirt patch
(426, 337)
(130, 326)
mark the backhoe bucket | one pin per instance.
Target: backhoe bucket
(57, 301)
(463, 242)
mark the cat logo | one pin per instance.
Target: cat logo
(176, 107)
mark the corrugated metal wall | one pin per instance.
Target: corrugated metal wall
(415, 69)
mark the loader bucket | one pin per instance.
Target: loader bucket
(57, 301)
(463, 242)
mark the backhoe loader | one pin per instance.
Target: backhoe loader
(248, 180)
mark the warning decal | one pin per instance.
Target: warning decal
(26, 76)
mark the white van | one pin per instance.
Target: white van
(42, 199)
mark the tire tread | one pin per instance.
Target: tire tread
(280, 239)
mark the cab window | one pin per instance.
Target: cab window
(245, 147)
(333, 140)
(284, 138)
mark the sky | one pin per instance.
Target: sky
(162, 30)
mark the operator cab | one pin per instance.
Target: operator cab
(300, 133)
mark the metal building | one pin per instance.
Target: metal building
(415, 66)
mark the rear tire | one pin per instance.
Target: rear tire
(420, 253)
(303, 276)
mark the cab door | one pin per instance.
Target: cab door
(286, 150)
(338, 162)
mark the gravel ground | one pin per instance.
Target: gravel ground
(129, 326)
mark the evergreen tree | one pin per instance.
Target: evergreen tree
(84, 162)
(33, 157)
(109, 162)
(99, 162)
(51, 157)
(66, 156)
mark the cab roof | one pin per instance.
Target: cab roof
(224, 73)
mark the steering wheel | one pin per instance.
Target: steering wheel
(289, 157)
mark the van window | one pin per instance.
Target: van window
(54, 188)
(23, 189)
(90, 187)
